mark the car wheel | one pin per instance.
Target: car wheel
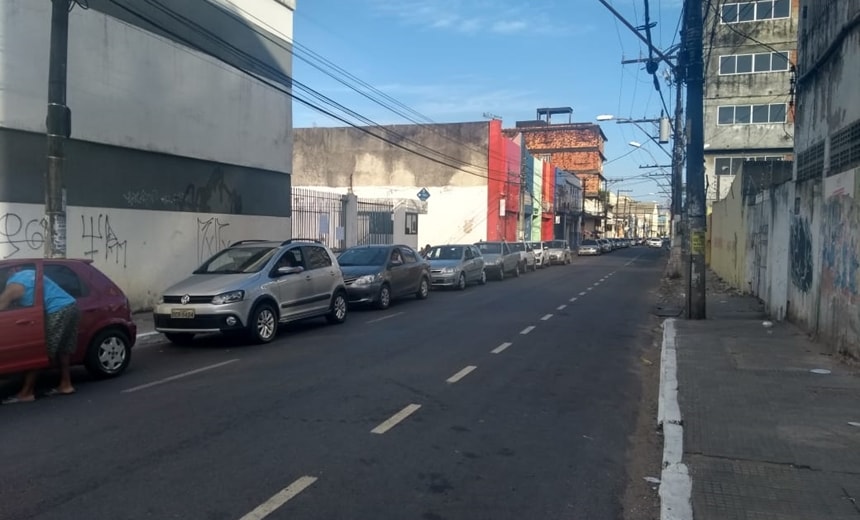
(483, 279)
(534, 267)
(263, 326)
(461, 282)
(501, 273)
(108, 354)
(423, 289)
(517, 271)
(383, 300)
(339, 309)
(567, 260)
(180, 338)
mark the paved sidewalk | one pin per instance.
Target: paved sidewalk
(764, 437)
(145, 327)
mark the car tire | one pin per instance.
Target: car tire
(339, 308)
(461, 282)
(423, 289)
(517, 271)
(183, 339)
(534, 267)
(501, 273)
(383, 299)
(108, 354)
(263, 326)
(483, 279)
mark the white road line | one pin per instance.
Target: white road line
(396, 418)
(386, 317)
(501, 348)
(590, 288)
(573, 299)
(596, 284)
(147, 334)
(546, 317)
(280, 498)
(582, 293)
(178, 376)
(461, 374)
(527, 329)
(561, 307)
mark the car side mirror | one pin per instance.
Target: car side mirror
(290, 270)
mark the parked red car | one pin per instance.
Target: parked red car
(106, 332)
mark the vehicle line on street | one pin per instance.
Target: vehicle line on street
(501, 348)
(582, 293)
(178, 376)
(280, 498)
(561, 307)
(395, 419)
(546, 317)
(527, 330)
(377, 320)
(573, 299)
(461, 374)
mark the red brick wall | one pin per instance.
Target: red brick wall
(577, 149)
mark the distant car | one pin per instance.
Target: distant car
(456, 265)
(379, 274)
(558, 252)
(252, 287)
(539, 249)
(589, 247)
(106, 332)
(499, 259)
(528, 259)
(605, 245)
(655, 242)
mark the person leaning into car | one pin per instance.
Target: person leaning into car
(61, 328)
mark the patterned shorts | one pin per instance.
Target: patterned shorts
(61, 330)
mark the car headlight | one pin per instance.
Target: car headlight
(366, 279)
(228, 297)
(498, 261)
(449, 270)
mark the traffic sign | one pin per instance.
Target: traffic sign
(423, 194)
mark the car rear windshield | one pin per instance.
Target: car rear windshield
(517, 246)
(589, 242)
(237, 260)
(490, 248)
(557, 244)
(445, 253)
(363, 256)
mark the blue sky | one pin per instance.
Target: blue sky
(455, 60)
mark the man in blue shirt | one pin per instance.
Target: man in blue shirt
(61, 328)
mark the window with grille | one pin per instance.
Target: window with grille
(845, 149)
(810, 162)
(753, 63)
(751, 114)
(732, 165)
(738, 12)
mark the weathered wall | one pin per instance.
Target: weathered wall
(577, 148)
(729, 237)
(142, 251)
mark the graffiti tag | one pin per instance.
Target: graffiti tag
(20, 235)
(211, 237)
(101, 238)
(800, 244)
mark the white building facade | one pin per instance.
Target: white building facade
(176, 149)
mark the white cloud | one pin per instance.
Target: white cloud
(470, 17)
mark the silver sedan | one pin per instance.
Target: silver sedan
(456, 265)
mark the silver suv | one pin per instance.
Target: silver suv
(252, 287)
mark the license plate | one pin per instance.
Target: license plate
(182, 313)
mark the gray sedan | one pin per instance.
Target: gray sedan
(456, 265)
(378, 274)
(499, 259)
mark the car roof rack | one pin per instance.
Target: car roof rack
(250, 241)
(290, 241)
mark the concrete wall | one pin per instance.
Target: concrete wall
(536, 224)
(173, 153)
(577, 148)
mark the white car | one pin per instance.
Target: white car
(655, 242)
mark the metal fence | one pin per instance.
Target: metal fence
(375, 222)
(321, 216)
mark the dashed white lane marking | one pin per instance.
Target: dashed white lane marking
(178, 376)
(590, 288)
(582, 293)
(386, 317)
(147, 334)
(501, 348)
(546, 317)
(596, 284)
(527, 329)
(561, 307)
(395, 419)
(461, 374)
(280, 498)
(573, 299)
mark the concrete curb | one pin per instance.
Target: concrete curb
(676, 486)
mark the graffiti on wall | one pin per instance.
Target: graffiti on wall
(211, 237)
(213, 196)
(20, 235)
(840, 250)
(101, 240)
(800, 246)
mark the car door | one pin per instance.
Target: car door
(294, 291)
(478, 259)
(469, 265)
(88, 301)
(323, 276)
(414, 269)
(22, 342)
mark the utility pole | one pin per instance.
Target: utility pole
(58, 126)
(521, 217)
(695, 267)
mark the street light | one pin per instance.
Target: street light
(663, 124)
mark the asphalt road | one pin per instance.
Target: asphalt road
(515, 401)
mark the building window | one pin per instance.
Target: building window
(545, 157)
(752, 63)
(411, 223)
(732, 165)
(755, 11)
(751, 114)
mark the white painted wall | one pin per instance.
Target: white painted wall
(142, 251)
(131, 88)
(454, 214)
